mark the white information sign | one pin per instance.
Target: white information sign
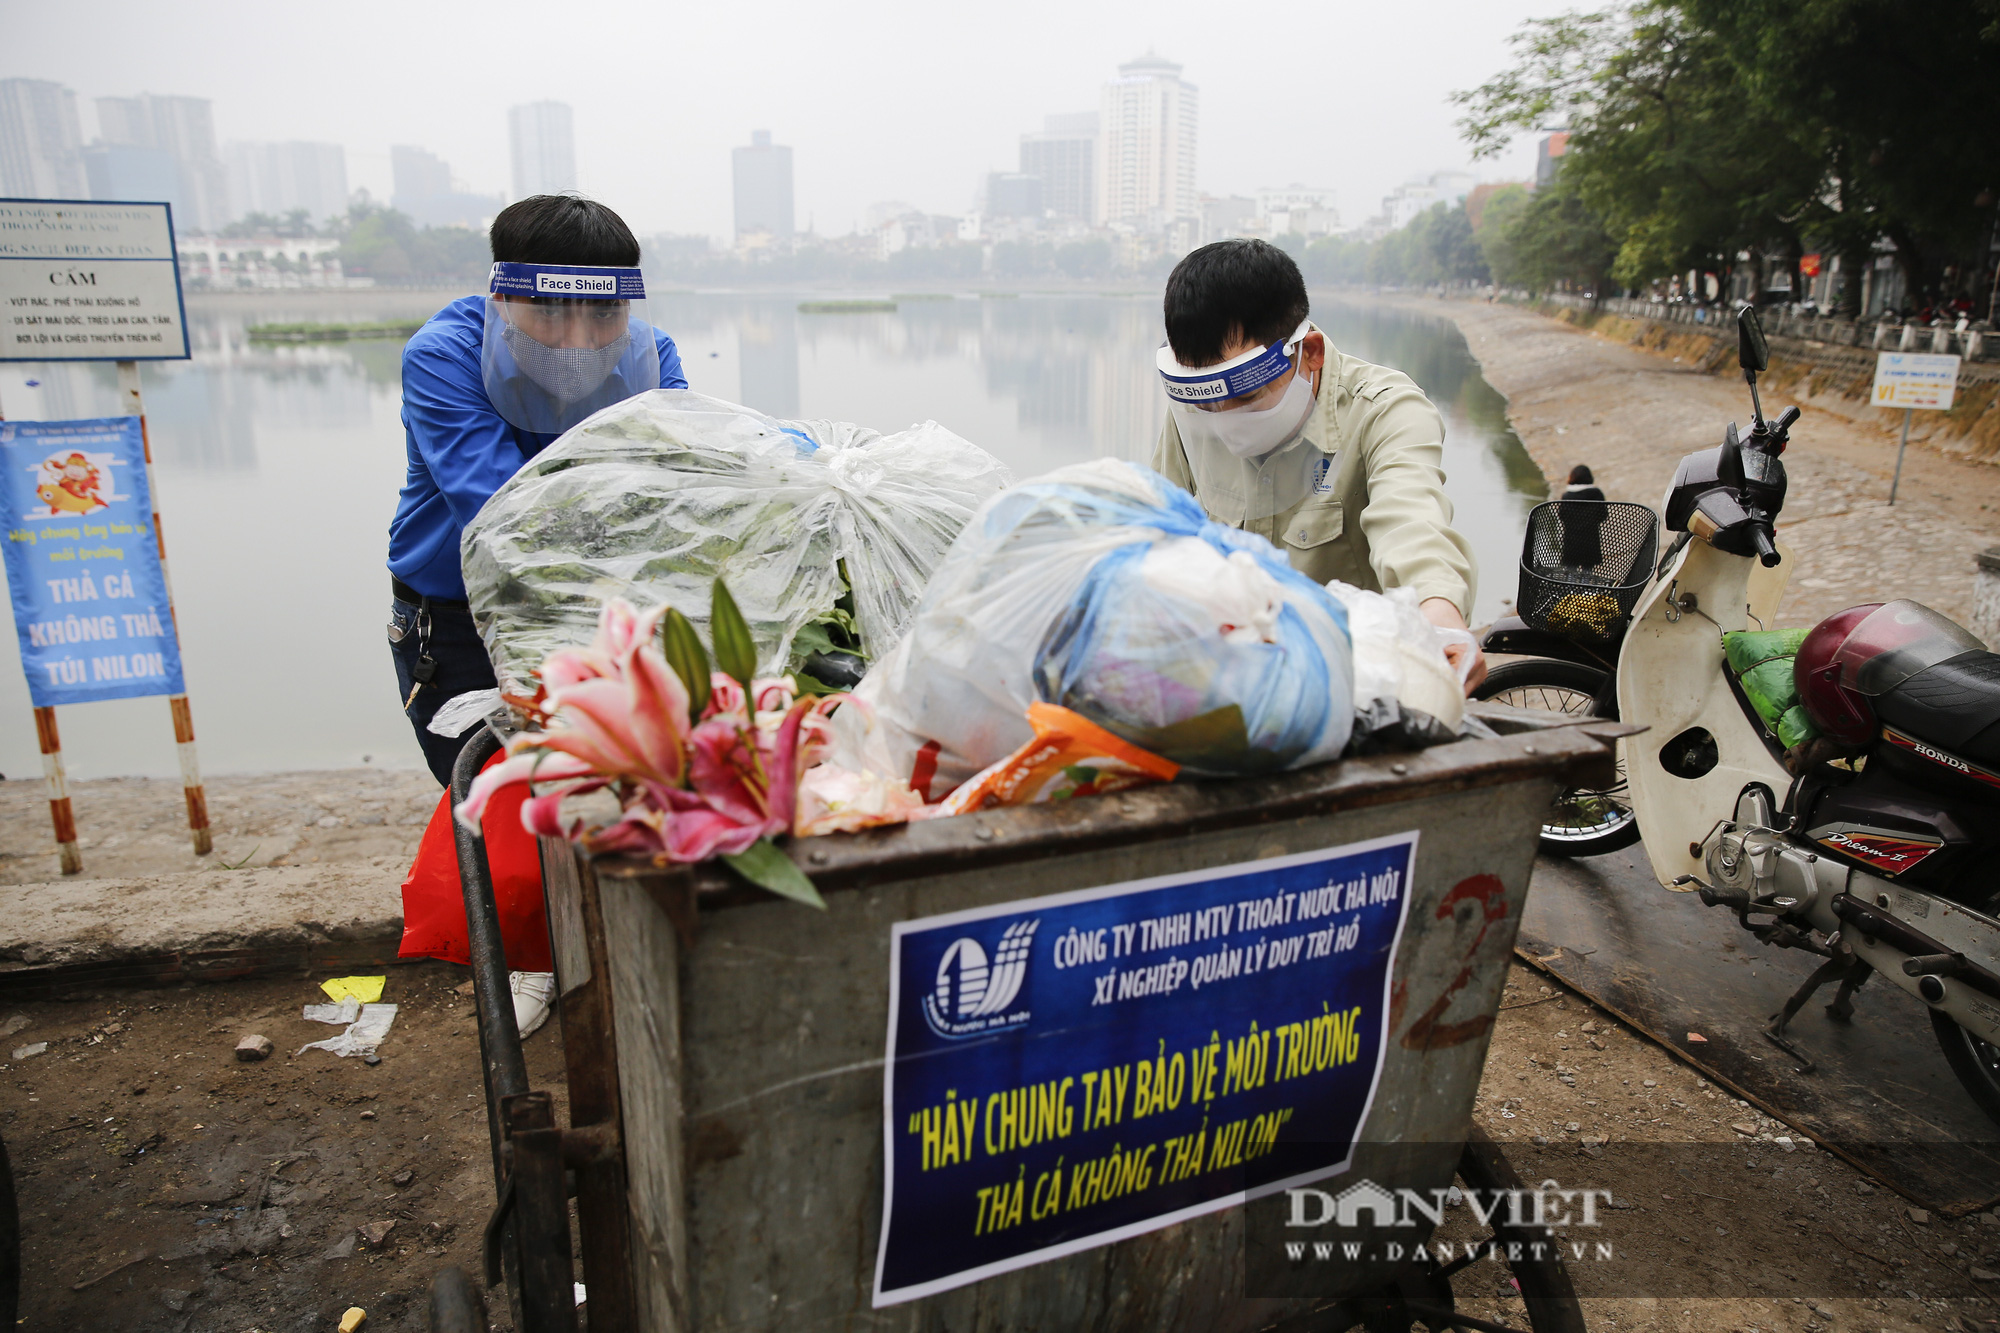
(82, 281)
(1915, 379)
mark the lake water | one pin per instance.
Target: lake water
(278, 469)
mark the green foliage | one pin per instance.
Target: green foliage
(735, 649)
(768, 868)
(382, 244)
(1437, 247)
(1705, 128)
(1496, 233)
(681, 646)
(301, 333)
(1886, 96)
(294, 224)
(1556, 241)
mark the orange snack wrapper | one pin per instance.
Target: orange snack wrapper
(1070, 756)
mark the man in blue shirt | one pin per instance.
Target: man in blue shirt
(489, 383)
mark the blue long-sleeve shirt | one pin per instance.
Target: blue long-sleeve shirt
(460, 449)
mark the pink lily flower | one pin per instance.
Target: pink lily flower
(618, 717)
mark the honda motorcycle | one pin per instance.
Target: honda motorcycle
(1874, 846)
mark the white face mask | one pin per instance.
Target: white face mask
(1249, 434)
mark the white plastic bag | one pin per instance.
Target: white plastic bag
(1406, 692)
(1104, 588)
(652, 498)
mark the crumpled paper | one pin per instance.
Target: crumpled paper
(362, 1036)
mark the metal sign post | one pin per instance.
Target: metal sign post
(191, 789)
(87, 281)
(1912, 380)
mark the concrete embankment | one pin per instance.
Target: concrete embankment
(307, 872)
(1631, 411)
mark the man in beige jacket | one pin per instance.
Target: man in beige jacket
(1339, 463)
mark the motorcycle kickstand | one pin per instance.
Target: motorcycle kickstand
(1843, 967)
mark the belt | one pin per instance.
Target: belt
(405, 593)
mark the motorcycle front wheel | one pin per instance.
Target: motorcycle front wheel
(1583, 821)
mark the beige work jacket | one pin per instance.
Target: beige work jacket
(1379, 517)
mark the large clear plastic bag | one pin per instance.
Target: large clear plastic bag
(1103, 587)
(651, 499)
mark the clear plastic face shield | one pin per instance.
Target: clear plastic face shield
(1243, 426)
(563, 342)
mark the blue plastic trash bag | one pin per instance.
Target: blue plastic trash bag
(1104, 588)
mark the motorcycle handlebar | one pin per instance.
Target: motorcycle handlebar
(1766, 552)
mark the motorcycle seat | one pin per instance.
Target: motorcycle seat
(1954, 705)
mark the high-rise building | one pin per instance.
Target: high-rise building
(1304, 210)
(41, 143)
(544, 141)
(415, 173)
(763, 173)
(281, 178)
(182, 128)
(1064, 155)
(424, 190)
(1146, 147)
(1013, 194)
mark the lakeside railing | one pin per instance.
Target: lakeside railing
(1969, 339)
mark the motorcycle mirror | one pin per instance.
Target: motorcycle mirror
(1752, 352)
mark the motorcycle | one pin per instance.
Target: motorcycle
(1874, 845)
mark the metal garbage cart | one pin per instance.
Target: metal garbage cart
(726, 1068)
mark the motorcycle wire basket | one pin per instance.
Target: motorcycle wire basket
(1584, 565)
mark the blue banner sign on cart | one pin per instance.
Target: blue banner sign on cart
(1065, 1072)
(83, 565)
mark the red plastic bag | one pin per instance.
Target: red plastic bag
(434, 905)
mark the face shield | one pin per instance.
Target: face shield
(563, 342)
(1250, 460)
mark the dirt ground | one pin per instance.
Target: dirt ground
(1706, 1197)
(164, 1185)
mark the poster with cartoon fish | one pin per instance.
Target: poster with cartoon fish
(83, 563)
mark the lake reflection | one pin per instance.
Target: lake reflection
(278, 469)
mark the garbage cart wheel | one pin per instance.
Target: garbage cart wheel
(456, 1306)
(1582, 821)
(1544, 1283)
(1425, 1300)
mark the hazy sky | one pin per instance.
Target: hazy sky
(882, 100)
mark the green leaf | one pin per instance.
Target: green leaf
(735, 650)
(768, 868)
(806, 685)
(682, 648)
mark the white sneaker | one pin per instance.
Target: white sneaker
(532, 993)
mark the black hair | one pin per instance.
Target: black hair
(1580, 476)
(562, 229)
(1247, 289)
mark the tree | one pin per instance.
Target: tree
(1557, 241)
(382, 244)
(1660, 151)
(1495, 234)
(1889, 98)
